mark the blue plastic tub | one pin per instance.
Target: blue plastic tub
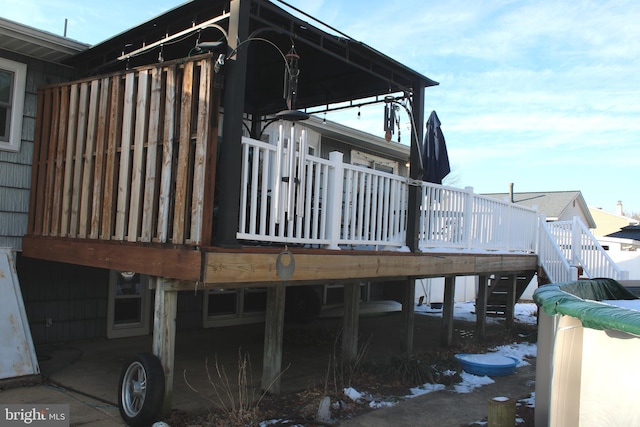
(487, 364)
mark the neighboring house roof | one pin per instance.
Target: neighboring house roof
(555, 205)
(631, 232)
(36, 43)
(608, 222)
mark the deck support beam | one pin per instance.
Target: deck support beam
(408, 316)
(481, 307)
(164, 335)
(351, 321)
(511, 301)
(273, 333)
(446, 337)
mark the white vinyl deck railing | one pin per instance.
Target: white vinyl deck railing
(460, 219)
(337, 205)
(552, 258)
(581, 249)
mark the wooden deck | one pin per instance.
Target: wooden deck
(211, 266)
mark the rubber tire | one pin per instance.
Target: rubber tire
(302, 304)
(141, 390)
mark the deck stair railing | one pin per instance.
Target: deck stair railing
(580, 249)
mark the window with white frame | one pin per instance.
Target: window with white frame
(374, 162)
(12, 86)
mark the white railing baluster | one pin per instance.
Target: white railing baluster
(333, 204)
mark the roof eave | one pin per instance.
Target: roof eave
(36, 43)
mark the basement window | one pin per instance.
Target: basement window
(12, 87)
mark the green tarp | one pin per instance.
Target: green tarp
(580, 299)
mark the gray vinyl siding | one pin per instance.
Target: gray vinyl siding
(15, 167)
(73, 297)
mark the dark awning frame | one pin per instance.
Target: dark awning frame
(334, 68)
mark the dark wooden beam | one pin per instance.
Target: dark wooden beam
(408, 316)
(447, 310)
(230, 161)
(511, 301)
(481, 307)
(169, 262)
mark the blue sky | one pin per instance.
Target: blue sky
(544, 94)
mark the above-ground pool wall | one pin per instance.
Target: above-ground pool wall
(584, 376)
(587, 376)
(610, 375)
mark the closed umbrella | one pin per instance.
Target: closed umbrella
(435, 157)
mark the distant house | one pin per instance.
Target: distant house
(608, 222)
(555, 205)
(623, 246)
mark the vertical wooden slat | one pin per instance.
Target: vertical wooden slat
(78, 163)
(150, 185)
(142, 101)
(87, 174)
(125, 157)
(42, 163)
(199, 167)
(166, 178)
(210, 164)
(182, 174)
(58, 181)
(110, 172)
(68, 163)
(32, 224)
(101, 142)
(50, 166)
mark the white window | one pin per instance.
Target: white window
(374, 162)
(12, 85)
(128, 306)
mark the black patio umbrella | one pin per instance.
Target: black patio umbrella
(435, 158)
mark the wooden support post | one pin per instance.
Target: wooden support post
(446, 337)
(164, 335)
(408, 316)
(481, 307)
(502, 412)
(511, 301)
(351, 318)
(273, 332)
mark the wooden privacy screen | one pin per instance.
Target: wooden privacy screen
(127, 157)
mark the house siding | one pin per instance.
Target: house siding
(15, 167)
(73, 297)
